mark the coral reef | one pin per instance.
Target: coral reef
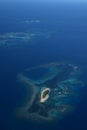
(58, 83)
(22, 38)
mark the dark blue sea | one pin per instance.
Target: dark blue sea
(62, 37)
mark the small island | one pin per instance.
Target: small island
(45, 95)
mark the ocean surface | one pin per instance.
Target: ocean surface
(60, 31)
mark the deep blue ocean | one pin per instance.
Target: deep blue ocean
(67, 23)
